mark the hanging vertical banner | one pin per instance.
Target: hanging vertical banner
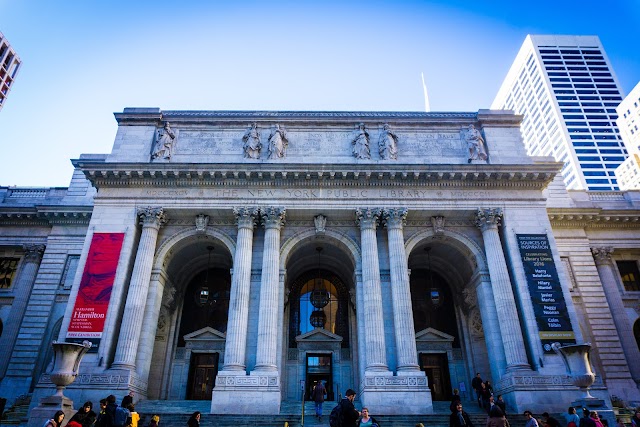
(92, 302)
(549, 306)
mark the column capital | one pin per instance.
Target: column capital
(602, 254)
(273, 216)
(150, 216)
(33, 252)
(368, 217)
(246, 216)
(394, 217)
(488, 218)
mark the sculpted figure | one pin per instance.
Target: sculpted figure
(360, 143)
(278, 142)
(475, 142)
(164, 143)
(252, 143)
(388, 144)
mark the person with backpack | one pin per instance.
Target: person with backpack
(345, 414)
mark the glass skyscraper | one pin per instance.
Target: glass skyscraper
(567, 92)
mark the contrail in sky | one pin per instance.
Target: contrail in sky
(427, 108)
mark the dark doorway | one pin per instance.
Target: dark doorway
(436, 367)
(319, 369)
(202, 375)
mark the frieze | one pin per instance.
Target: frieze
(100, 380)
(247, 381)
(537, 381)
(398, 381)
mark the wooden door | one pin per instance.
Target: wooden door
(204, 368)
(436, 367)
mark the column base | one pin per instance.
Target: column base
(47, 407)
(256, 394)
(407, 393)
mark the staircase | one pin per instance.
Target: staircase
(176, 413)
(17, 414)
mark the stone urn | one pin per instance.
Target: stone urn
(66, 360)
(576, 359)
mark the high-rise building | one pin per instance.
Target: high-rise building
(628, 173)
(9, 66)
(566, 89)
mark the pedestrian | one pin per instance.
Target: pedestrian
(531, 421)
(56, 421)
(134, 417)
(455, 398)
(127, 400)
(476, 384)
(572, 418)
(348, 413)
(485, 395)
(318, 394)
(194, 420)
(100, 420)
(635, 421)
(366, 420)
(85, 417)
(489, 387)
(596, 418)
(459, 418)
(586, 421)
(155, 420)
(501, 404)
(549, 421)
(496, 418)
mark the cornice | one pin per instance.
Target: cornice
(593, 218)
(101, 174)
(46, 215)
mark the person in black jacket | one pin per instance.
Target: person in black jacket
(348, 412)
(476, 384)
(85, 416)
(127, 400)
(459, 418)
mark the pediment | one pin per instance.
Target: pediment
(433, 335)
(319, 334)
(205, 334)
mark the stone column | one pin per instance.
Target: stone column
(488, 221)
(273, 220)
(151, 218)
(405, 335)
(608, 274)
(375, 347)
(236, 343)
(21, 290)
(150, 325)
(491, 327)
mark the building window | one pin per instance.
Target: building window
(630, 275)
(69, 273)
(8, 267)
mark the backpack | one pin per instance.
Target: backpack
(121, 416)
(335, 418)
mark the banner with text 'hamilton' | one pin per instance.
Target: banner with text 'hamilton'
(549, 305)
(94, 294)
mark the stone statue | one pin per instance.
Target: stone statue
(278, 142)
(164, 143)
(360, 143)
(388, 144)
(251, 139)
(475, 142)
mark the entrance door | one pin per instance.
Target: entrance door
(436, 367)
(319, 369)
(202, 375)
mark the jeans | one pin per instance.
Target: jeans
(318, 409)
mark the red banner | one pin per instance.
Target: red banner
(92, 302)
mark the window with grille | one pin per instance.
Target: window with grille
(8, 267)
(630, 275)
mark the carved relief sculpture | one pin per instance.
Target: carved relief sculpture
(360, 142)
(388, 144)
(202, 221)
(320, 222)
(476, 145)
(163, 147)
(278, 142)
(438, 224)
(252, 145)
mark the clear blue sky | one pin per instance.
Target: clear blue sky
(84, 60)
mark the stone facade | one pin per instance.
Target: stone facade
(242, 276)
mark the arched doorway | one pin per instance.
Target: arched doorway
(441, 279)
(320, 321)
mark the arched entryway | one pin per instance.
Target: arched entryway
(319, 317)
(444, 311)
(190, 338)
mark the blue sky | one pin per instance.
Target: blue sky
(84, 60)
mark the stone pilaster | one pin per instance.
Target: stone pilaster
(236, 344)
(273, 220)
(151, 218)
(21, 291)
(608, 274)
(367, 219)
(149, 326)
(400, 291)
(488, 221)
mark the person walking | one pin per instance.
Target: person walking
(635, 421)
(586, 420)
(56, 421)
(549, 421)
(455, 399)
(496, 418)
(476, 384)
(194, 420)
(572, 418)
(531, 421)
(318, 394)
(85, 417)
(348, 413)
(459, 418)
